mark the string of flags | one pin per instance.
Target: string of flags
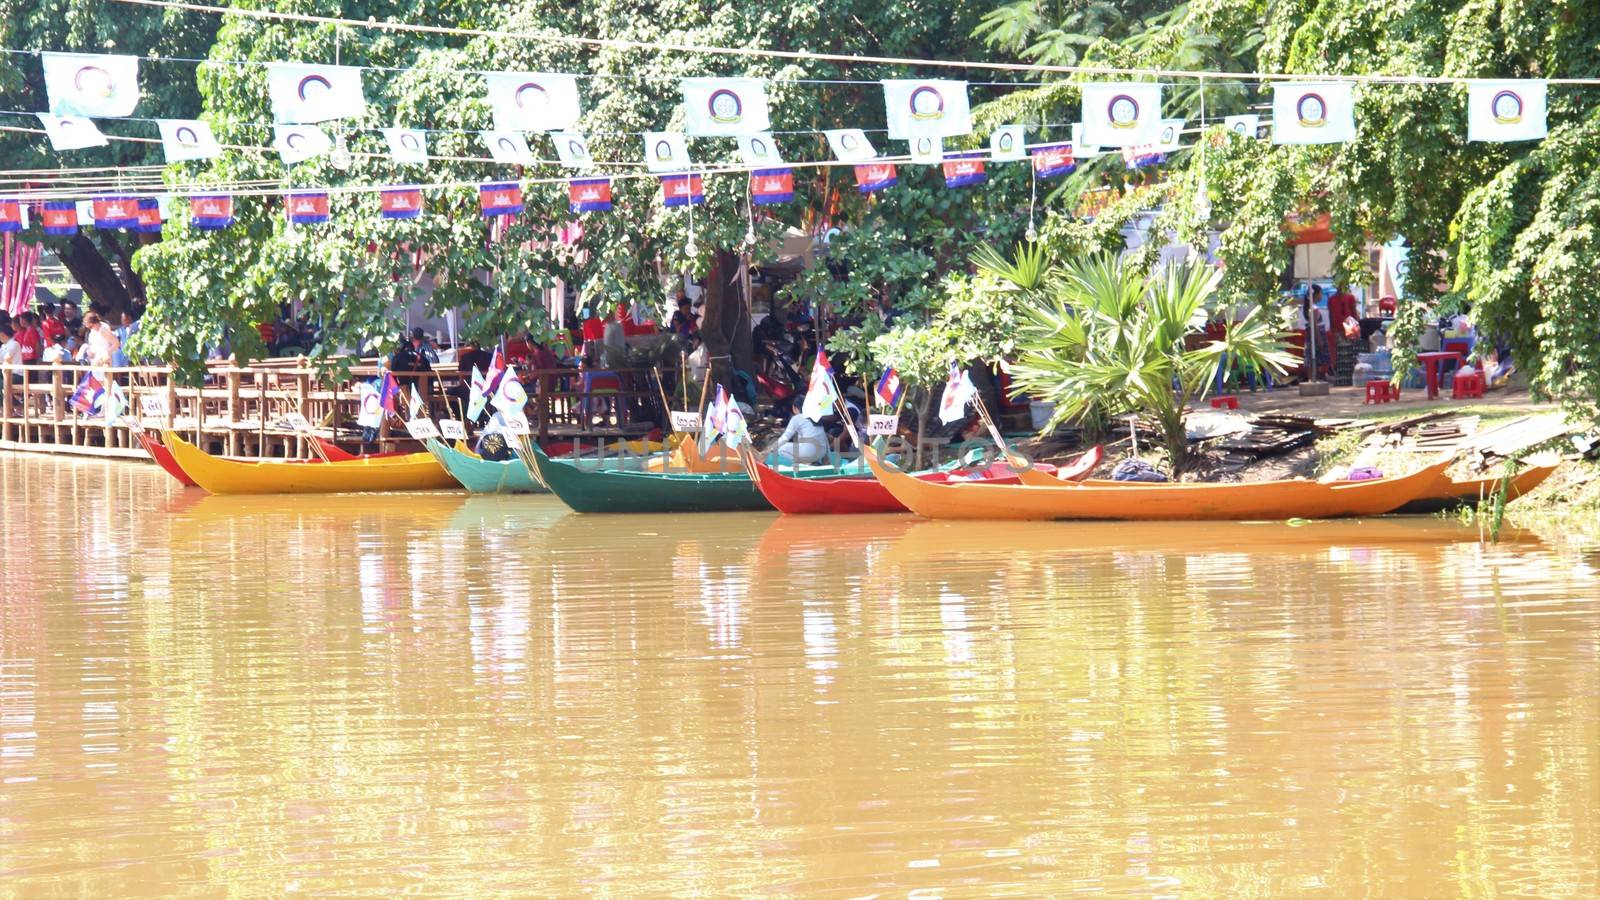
(921, 112)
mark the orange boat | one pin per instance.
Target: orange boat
(414, 472)
(1449, 493)
(1297, 499)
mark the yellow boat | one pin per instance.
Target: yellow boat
(411, 472)
(1156, 502)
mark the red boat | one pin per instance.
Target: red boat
(163, 457)
(848, 495)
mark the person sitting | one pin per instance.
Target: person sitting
(802, 441)
(57, 352)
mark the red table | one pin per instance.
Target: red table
(1430, 367)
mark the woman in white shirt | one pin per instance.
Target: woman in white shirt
(102, 340)
(803, 441)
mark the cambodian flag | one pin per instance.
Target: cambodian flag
(682, 190)
(388, 392)
(889, 388)
(10, 215)
(500, 198)
(1142, 156)
(820, 393)
(89, 395)
(589, 194)
(963, 169)
(149, 216)
(1052, 160)
(59, 218)
(211, 212)
(308, 208)
(875, 177)
(771, 186)
(401, 202)
(116, 212)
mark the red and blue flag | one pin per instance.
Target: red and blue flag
(10, 215)
(501, 198)
(1142, 156)
(890, 388)
(211, 212)
(589, 194)
(149, 216)
(682, 190)
(388, 392)
(875, 177)
(401, 202)
(309, 208)
(964, 169)
(59, 218)
(115, 212)
(1053, 160)
(771, 186)
(88, 396)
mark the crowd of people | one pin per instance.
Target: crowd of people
(57, 334)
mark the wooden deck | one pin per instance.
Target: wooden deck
(243, 411)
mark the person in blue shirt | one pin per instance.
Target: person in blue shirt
(127, 329)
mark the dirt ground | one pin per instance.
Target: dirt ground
(1350, 402)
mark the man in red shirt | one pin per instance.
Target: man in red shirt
(51, 325)
(1341, 305)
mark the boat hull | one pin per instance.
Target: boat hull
(414, 472)
(163, 457)
(852, 495)
(1450, 493)
(485, 476)
(1156, 502)
(610, 491)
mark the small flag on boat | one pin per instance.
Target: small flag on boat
(964, 169)
(477, 395)
(212, 212)
(59, 218)
(771, 186)
(820, 395)
(10, 215)
(589, 195)
(309, 208)
(958, 392)
(370, 413)
(88, 396)
(116, 402)
(401, 202)
(1053, 160)
(388, 392)
(890, 389)
(149, 216)
(414, 406)
(501, 198)
(116, 212)
(682, 190)
(509, 395)
(875, 177)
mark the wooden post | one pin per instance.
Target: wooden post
(302, 389)
(233, 410)
(544, 408)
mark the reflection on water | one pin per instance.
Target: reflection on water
(487, 695)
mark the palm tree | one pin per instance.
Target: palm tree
(1107, 338)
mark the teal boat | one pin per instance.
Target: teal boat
(485, 476)
(586, 488)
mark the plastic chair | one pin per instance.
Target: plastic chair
(1466, 385)
(1225, 401)
(1379, 392)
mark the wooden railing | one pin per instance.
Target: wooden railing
(243, 411)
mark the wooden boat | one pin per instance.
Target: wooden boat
(1449, 493)
(163, 457)
(484, 476)
(1156, 502)
(333, 453)
(856, 495)
(413, 472)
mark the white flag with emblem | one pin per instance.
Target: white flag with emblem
(1308, 112)
(510, 396)
(71, 132)
(665, 151)
(304, 94)
(509, 147)
(1506, 110)
(1244, 126)
(88, 84)
(572, 149)
(958, 392)
(850, 145)
(186, 139)
(407, 146)
(298, 143)
(1008, 142)
(533, 101)
(726, 107)
(759, 150)
(1124, 114)
(919, 107)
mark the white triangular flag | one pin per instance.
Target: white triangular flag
(1506, 110)
(407, 146)
(665, 151)
(572, 149)
(186, 139)
(298, 143)
(1313, 112)
(1008, 142)
(88, 84)
(926, 150)
(303, 94)
(71, 132)
(1124, 114)
(919, 107)
(1244, 126)
(726, 107)
(759, 150)
(509, 147)
(850, 145)
(533, 101)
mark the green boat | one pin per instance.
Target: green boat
(484, 476)
(589, 489)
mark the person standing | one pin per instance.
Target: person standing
(101, 340)
(10, 350)
(126, 330)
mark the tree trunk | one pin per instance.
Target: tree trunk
(725, 322)
(101, 283)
